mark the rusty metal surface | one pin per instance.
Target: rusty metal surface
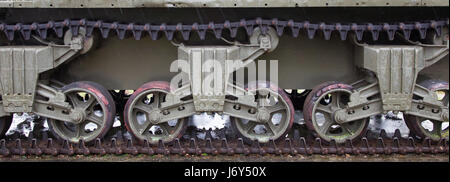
(295, 146)
(213, 3)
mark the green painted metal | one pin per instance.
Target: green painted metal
(397, 68)
(125, 64)
(20, 67)
(269, 120)
(387, 74)
(211, 69)
(149, 119)
(327, 121)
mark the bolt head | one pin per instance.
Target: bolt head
(155, 116)
(263, 116)
(263, 92)
(339, 117)
(77, 116)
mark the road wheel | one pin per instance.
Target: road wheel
(424, 127)
(319, 110)
(143, 115)
(97, 108)
(274, 113)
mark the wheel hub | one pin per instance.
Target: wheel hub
(78, 116)
(263, 92)
(155, 116)
(339, 117)
(263, 115)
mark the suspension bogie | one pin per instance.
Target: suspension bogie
(218, 72)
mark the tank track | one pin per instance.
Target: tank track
(138, 30)
(368, 145)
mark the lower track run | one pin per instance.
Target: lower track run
(209, 146)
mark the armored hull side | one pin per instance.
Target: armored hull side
(149, 62)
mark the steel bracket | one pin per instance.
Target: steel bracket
(210, 70)
(20, 67)
(397, 68)
(54, 105)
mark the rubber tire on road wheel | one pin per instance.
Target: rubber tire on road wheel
(412, 121)
(101, 95)
(157, 85)
(283, 94)
(313, 96)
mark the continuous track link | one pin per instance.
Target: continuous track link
(368, 145)
(138, 30)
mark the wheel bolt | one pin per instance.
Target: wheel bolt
(263, 115)
(252, 111)
(366, 107)
(339, 117)
(77, 116)
(181, 108)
